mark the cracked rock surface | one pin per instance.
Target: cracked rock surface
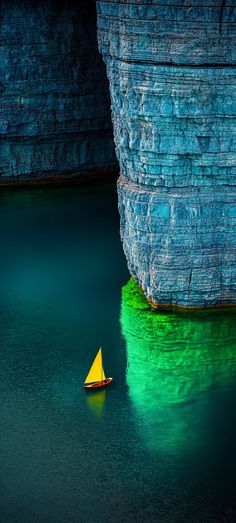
(171, 70)
(54, 96)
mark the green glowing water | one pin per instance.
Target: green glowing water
(174, 360)
(159, 443)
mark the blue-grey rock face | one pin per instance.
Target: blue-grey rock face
(172, 85)
(54, 97)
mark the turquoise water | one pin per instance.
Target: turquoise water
(159, 444)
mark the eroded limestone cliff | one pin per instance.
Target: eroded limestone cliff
(172, 85)
(54, 97)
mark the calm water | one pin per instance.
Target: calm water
(159, 444)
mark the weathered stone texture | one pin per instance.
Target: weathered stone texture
(54, 97)
(180, 242)
(172, 83)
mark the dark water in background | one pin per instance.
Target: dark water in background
(159, 444)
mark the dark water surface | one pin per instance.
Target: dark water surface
(159, 444)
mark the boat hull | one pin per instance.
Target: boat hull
(98, 384)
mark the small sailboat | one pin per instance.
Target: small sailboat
(96, 378)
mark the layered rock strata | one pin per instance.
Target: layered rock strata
(54, 97)
(172, 84)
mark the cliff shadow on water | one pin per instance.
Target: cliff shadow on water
(178, 365)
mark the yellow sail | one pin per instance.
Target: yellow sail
(96, 372)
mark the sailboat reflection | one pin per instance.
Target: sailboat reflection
(176, 363)
(95, 402)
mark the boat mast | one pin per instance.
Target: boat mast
(101, 366)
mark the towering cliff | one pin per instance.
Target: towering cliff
(54, 97)
(172, 84)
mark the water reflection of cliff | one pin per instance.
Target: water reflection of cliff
(176, 364)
